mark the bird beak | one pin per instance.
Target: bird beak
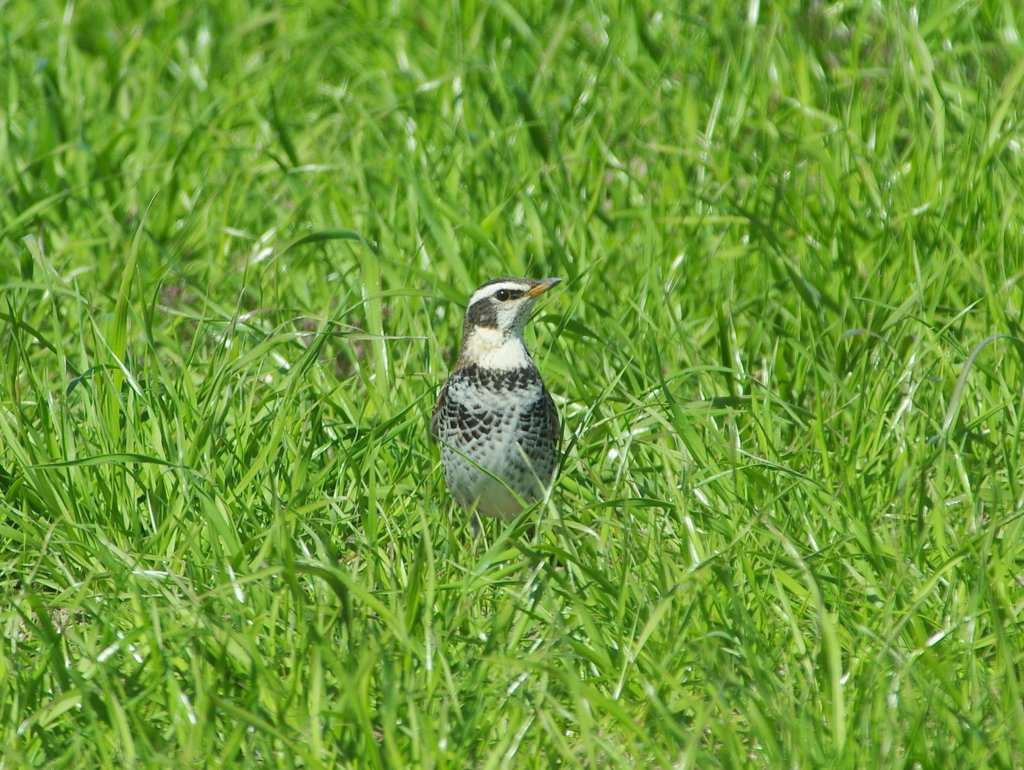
(542, 286)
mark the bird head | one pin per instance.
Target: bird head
(495, 318)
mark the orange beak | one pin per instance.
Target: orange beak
(542, 286)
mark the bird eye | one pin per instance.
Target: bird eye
(502, 295)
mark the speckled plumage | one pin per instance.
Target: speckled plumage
(497, 430)
(494, 419)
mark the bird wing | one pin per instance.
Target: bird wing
(551, 418)
(435, 420)
(539, 426)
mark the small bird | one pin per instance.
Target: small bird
(494, 419)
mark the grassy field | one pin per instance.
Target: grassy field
(235, 246)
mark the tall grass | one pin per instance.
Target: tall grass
(235, 243)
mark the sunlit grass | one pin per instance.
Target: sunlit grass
(234, 247)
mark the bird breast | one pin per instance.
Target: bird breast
(491, 349)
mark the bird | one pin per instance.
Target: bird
(494, 419)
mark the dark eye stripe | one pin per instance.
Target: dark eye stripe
(482, 314)
(503, 295)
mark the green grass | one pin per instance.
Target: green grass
(234, 246)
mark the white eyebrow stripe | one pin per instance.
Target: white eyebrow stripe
(488, 291)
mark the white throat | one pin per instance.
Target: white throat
(490, 349)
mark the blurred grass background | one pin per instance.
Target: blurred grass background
(235, 243)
